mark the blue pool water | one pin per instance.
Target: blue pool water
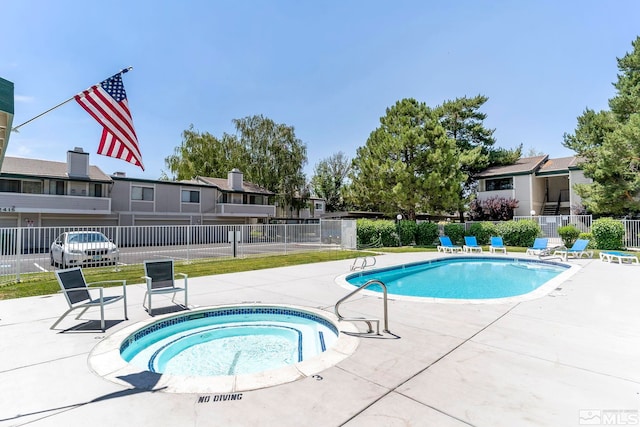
(462, 277)
(230, 341)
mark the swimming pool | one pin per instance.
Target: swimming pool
(466, 279)
(224, 348)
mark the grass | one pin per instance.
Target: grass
(45, 283)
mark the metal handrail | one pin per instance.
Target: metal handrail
(367, 321)
(364, 262)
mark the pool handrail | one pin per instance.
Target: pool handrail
(362, 262)
(362, 319)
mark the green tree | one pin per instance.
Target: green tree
(464, 122)
(275, 158)
(408, 164)
(268, 154)
(609, 143)
(329, 178)
(205, 155)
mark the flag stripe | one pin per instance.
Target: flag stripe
(109, 117)
(100, 111)
(107, 104)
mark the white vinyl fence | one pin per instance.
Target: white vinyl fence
(26, 250)
(631, 233)
(550, 223)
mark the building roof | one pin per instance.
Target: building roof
(557, 165)
(540, 165)
(19, 166)
(223, 185)
(522, 166)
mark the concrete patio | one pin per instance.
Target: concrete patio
(569, 358)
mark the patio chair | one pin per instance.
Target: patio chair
(578, 249)
(471, 244)
(539, 246)
(160, 279)
(77, 293)
(619, 257)
(497, 245)
(447, 246)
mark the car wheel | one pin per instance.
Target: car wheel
(53, 263)
(62, 263)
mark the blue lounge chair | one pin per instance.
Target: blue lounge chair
(539, 246)
(447, 246)
(471, 244)
(497, 245)
(619, 257)
(578, 249)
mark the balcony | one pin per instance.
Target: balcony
(233, 209)
(52, 203)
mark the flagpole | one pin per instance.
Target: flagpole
(15, 129)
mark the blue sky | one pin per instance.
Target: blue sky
(327, 68)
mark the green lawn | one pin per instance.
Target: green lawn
(46, 283)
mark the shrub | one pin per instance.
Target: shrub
(426, 233)
(483, 231)
(494, 209)
(367, 234)
(569, 234)
(375, 233)
(608, 233)
(455, 233)
(519, 233)
(407, 232)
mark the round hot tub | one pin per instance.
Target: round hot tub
(224, 349)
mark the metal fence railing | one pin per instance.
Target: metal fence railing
(26, 250)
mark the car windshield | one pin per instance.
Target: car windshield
(87, 238)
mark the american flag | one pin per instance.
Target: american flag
(107, 103)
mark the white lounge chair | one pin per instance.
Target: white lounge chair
(497, 245)
(619, 257)
(539, 246)
(471, 244)
(578, 250)
(77, 293)
(447, 246)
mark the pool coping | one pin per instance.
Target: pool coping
(105, 359)
(544, 289)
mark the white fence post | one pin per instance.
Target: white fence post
(18, 252)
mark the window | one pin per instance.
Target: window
(142, 193)
(189, 196)
(319, 206)
(56, 187)
(9, 186)
(499, 184)
(253, 199)
(32, 187)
